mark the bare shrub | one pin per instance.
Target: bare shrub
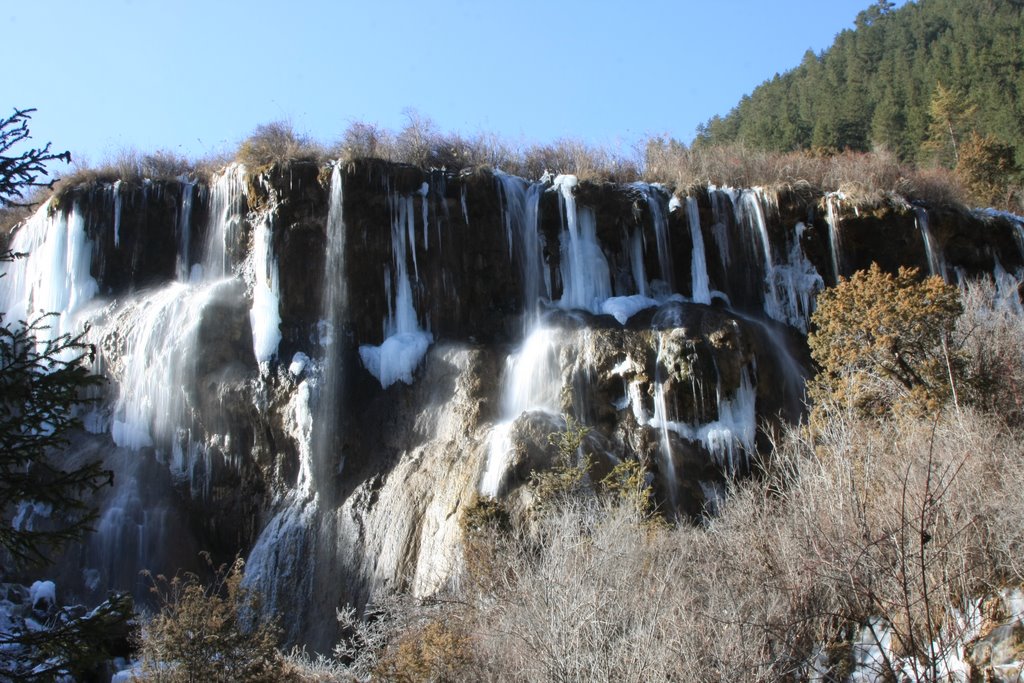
(992, 328)
(276, 143)
(577, 158)
(867, 178)
(584, 598)
(934, 185)
(200, 632)
(364, 140)
(884, 533)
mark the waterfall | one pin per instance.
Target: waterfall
(728, 438)
(790, 285)
(661, 422)
(722, 203)
(405, 341)
(520, 203)
(531, 381)
(227, 207)
(698, 262)
(157, 365)
(335, 305)
(296, 553)
(832, 201)
(656, 199)
(184, 267)
(936, 260)
(636, 261)
(116, 190)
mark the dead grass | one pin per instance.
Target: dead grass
(276, 143)
(421, 143)
(866, 178)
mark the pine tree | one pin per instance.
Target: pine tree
(42, 380)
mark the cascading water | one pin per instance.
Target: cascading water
(295, 554)
(531, 382)
(832, 202)
(698, 261)
(656, 200)
(729, 439)
(789, 286)
(520, 206)
(116, 190)
(227, 213)
(636, 262)
(184, 269)
(936, 260)
(722, 202)
(332, 512)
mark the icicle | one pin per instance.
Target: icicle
(798, 284)
(265, 316)
(728, 439)
(719, 214)
(55, 275)
(586, 280)
(790, 286)
(117, 213)
(424, 191)
(636, 257)
(405, 341)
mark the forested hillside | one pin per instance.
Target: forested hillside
(920, 81)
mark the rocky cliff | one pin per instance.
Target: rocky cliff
(321, 368)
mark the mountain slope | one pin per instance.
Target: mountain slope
(873, 88)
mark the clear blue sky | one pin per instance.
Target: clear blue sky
(197, 77)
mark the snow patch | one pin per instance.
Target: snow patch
(397, 358)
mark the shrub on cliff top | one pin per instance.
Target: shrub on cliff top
(276, 143)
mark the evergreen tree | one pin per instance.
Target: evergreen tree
(875, 85)
(42, 380)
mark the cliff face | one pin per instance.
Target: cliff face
(321, 368)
